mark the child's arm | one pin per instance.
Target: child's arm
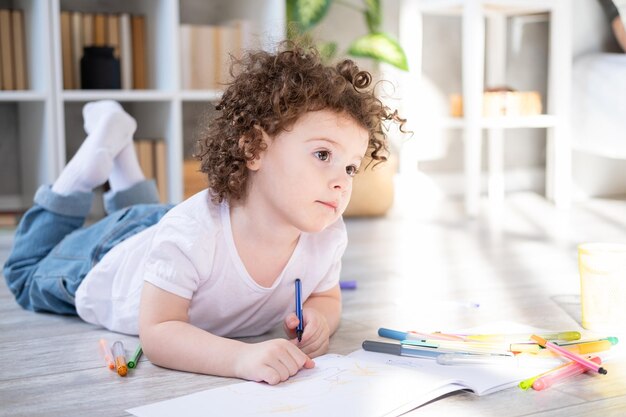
(169, 340)
(321, 315)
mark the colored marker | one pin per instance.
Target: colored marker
(570, 355)
(398, 335)
(572, 369)
(580, 348)
(570, 335)
(120, 358)
(522, 360)
(527, 383)
(300, 328)
(480, 346)
(611, 339)
(398, 350)
(347, 285)
(135, 359)
(105, 351)
(456, 347)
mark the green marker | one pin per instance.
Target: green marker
(527, 383)
(135, 359)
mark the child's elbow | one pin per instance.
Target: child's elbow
(149, 339)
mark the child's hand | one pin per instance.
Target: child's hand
(316, 335)
(272, 361)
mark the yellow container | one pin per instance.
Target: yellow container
(602, 268)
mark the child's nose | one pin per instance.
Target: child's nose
(341, 181)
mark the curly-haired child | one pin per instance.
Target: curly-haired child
(280, 154)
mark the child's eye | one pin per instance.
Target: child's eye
(351, 170)
(322, 155)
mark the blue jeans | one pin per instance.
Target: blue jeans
(52, 251)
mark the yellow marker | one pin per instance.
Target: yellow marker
(570, 335)
(581, 348)
(120, 358)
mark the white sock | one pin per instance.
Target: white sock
(94, 110)
(126, 169)
(91, 165)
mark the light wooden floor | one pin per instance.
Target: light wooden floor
(416, 269)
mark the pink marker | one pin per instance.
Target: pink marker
(560, 373)
(570, 355)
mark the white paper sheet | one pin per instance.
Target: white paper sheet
(338, 385)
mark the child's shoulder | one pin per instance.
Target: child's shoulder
(197, 213)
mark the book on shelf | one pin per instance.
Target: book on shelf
(6, 50)
(126, 52)
(99, 30)
(66, 50)
(198, 58)
(87, 29)
(152, 157)
(206, 50)
(232, 40)
(144, 150)
(138, 29)
(113, 33)
(194, 181)
(19, 49)
(160, 165)
(77, 46)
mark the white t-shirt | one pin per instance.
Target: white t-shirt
(191, 253)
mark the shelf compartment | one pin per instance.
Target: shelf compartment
(25, 133)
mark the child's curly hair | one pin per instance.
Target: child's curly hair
(270, 91)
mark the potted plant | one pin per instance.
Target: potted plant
(304, 15)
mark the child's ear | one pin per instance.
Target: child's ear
(255, 164)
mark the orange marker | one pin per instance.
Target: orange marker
(106, 353)
(120, 358)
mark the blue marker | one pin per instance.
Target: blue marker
(394, 334)
(300, 328)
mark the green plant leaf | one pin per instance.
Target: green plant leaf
(308, 13)
(327, 50)
(380, 47)
(373, 15)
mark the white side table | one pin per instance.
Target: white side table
(474, 14)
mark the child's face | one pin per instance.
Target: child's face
(304, 178)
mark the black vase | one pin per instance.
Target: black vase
(99, 69)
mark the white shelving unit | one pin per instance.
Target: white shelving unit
(44, 124)
(27, 117)
(484, 61)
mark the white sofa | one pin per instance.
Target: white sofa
(598, 105)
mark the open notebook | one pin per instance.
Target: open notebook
(360, 384)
